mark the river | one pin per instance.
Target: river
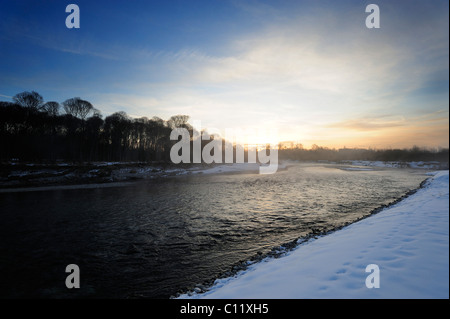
(153, 238)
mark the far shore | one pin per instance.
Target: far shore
(30, 177)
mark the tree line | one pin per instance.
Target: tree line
(413, 154)
(74, 130)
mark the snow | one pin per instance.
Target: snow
(409, 242)
(420, 164)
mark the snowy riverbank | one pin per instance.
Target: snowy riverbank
(24, 177)
(409, 242)
(21, 177)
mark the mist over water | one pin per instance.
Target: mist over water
(152, 238)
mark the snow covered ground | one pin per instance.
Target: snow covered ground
(420, 164)
(16, 175)
(409, 242)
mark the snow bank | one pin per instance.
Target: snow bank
(408, 241)
(420, 164)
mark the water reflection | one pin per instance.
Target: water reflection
(151, 239)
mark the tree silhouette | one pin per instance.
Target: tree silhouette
(52, 108)
(33, 130)
(78, 107)
(29, 99)
(178, 121)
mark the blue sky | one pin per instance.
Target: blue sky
(311, 70)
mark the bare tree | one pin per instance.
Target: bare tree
(96, 113)
(52, 108)
(178, 121)
(78, 107)
(158, 120)
(29, 99)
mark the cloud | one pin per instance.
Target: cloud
(135, 106)
(368, 124)
(308, 56)
(311, 77)
(311, 69)
(75, 47)
(37, 34)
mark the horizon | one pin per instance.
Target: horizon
(310, 70)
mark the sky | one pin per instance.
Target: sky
(304, 71)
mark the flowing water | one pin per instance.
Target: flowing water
(153, 238)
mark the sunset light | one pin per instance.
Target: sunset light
(311, 70)
(261, 151)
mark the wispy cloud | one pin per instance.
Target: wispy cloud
(311, 69)
(313, 76)
(358, 63)
(7, 96)
(368, 124)
(16, 31)
(135, 106)
(79, 48)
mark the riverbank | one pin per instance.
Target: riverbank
(29, 175)
(24, 177)
(409, 242)
(21, 177)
